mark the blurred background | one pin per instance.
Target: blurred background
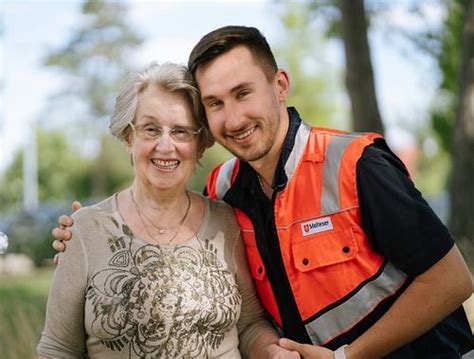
(396, 67)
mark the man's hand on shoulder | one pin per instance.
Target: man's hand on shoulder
(62, 232)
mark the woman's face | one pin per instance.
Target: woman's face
(163, 163)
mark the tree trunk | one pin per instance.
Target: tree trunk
(359, 74)
(462, 199)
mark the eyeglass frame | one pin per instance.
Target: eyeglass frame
(136, 130)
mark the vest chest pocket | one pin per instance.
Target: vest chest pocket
(324, 250)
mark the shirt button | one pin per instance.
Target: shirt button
(305, 261)
(346, 249)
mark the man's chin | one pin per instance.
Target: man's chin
(248, 155)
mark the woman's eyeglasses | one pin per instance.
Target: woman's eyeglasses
(150, 132)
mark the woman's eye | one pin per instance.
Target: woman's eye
(152, 131)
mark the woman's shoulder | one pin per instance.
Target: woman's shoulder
(95, 211)
(217, 206)
(221, 215)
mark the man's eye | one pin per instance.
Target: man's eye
(214, 104)
(243, 93)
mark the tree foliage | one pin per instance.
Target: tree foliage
(95, 63)
(302, 54)
(62, 172)
(96, 59)
(345, 20)
(448, 57)
(462, 223)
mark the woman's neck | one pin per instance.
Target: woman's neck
(158, 200)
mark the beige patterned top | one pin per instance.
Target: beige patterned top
(114, 295)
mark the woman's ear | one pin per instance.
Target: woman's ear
(282, 81)
(200, 152)
(128, 148)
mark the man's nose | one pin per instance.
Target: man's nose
(233, 120)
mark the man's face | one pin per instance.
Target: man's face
(242, 106)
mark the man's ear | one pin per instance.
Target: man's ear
(282, 81)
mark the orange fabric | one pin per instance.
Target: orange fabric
(212, 182)
(323, 267)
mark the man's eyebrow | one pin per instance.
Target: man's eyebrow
(240, 86)
(234, 89)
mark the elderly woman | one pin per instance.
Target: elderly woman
(155, 270)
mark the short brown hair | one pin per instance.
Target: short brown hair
(226, 38)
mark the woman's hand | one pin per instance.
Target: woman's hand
(275, 351)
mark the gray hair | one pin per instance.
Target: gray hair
(168, 76)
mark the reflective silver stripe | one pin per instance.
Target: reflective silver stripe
(343, 317)
(223, 178)
(332, 161)
(301, 140)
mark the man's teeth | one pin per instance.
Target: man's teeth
(245, 134)
(166, 164)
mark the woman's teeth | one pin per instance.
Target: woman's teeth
(166, 164)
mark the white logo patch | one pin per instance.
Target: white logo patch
(316, 226)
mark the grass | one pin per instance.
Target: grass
(22, 307)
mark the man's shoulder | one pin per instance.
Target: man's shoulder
(221, 177)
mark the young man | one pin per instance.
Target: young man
(347, 257)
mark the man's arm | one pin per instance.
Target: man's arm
(428, 299)
(432, 296)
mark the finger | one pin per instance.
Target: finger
(65, 221)
(76, 205)
(290, 344)
(59, 246)
(56, 259)
(61, 234)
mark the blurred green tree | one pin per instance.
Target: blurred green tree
(95, 63)
(347, 20)
(453, 113)
(301, 52)
(63, 173)
(445, 46)
(462, 189)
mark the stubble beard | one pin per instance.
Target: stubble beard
(249, 155)
(256, 151)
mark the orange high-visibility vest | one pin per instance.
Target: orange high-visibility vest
(336, 278)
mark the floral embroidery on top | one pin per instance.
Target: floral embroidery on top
(163, 301)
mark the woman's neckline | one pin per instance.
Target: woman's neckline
(195, 236)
